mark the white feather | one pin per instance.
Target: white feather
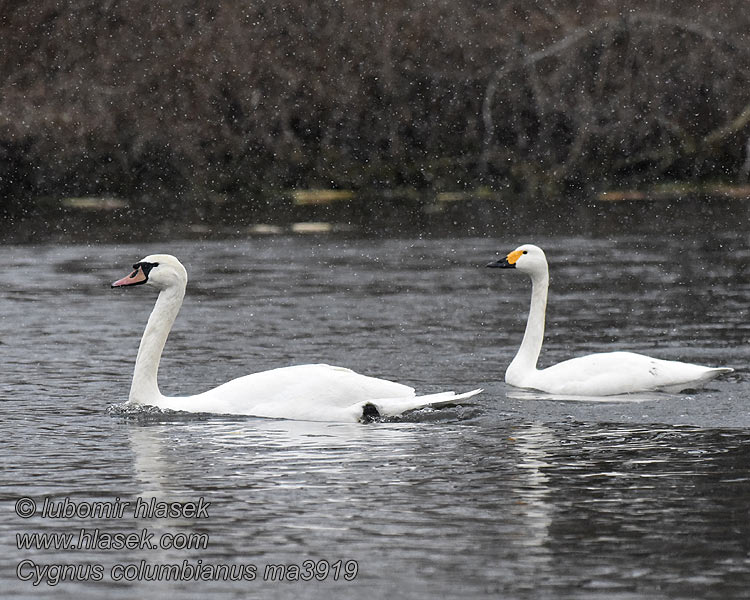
(314, 392)
(604, 374)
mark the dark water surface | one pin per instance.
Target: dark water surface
(511, 496)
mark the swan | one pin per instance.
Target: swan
(603, 374)
(314, 392)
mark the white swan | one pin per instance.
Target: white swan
(304, 392)
(602, 374)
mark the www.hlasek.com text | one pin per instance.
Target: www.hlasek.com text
(96, 539)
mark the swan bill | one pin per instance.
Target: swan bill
(513, 257)
(502, 264)
(138, 276)
(509, 262)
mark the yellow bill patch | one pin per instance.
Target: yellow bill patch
(514, 256)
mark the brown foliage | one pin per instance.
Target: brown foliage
(133, 96)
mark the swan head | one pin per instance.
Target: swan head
(161, 271)
(527, 258)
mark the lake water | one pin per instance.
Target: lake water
(513, 495)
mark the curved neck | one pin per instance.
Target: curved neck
(528, 354)
(145, 388)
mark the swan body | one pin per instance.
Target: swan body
(604, 374)
(315, 392)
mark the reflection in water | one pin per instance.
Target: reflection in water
(532, 445)
(281, 444)
(536, 500)
(149, 462)
(532, 395)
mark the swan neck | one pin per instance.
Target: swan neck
(531, 346)
(145, 387)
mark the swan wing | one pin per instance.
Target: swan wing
(614, 373)
(297, 392)
(311, 393)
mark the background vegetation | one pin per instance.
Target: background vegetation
(178, 103)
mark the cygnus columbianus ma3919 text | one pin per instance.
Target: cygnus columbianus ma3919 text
(604, 374)
(305, 392)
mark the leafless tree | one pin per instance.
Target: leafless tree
(185, 99)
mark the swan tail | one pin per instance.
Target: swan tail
(722, 370)
(391, 407)
(705, 377)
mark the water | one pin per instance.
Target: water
(514, 495)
